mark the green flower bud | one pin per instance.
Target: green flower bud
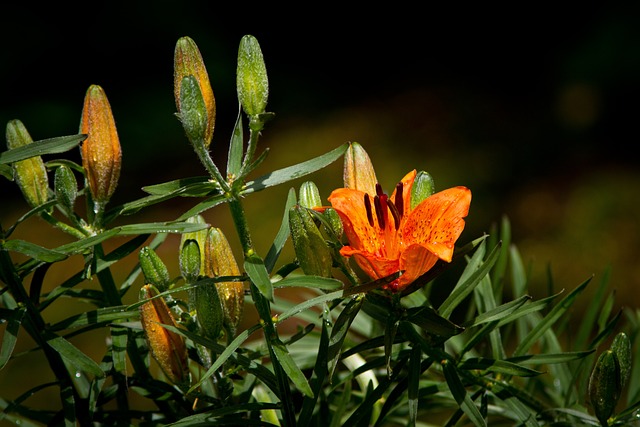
(219, 262)
(423, 187)
(167, 348)
(604, 386)
(358, 172)
(313, 253)
(199, 236)
(153, 269)
(621, 346)
(187, 61)
(30, 174)
(309, 195)
(336, 222)
(101, 152)
(251, 77)
(193, 113)
(66, 187)
(190, 260)
(209, 310)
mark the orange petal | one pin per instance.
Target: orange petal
(415, 261)
(375, 267)
(349, 204)
(437, 222)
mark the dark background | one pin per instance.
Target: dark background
(532, 107)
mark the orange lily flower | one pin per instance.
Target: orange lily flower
(386, 236)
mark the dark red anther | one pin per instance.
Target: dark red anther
(379, 191)
(367, 207)
(396, 215)
(380, 203)
(399, 199)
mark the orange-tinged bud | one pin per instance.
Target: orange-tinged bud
(101, 152)
(187, 61)
(358, 173)
(219, 261)
(167, 347)
(30, 174)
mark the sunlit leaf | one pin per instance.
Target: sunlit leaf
(38, 148)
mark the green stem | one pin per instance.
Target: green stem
(242, 227)
(206, 160)
(255, 127)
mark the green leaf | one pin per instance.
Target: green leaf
(160, 227)
(340, 330)
(296, 171)
(100, 316)
(257, 272)
(460, 394)
(283, 233)
(14, 320)
(34, 251)
(214, 416)
(464, 288)
(291, 369)
(316, 282)
(499, 366)
(207, 204)
(499, 312)
(234, 159)
(38, 148)
(431, 322)
(548, 320)
(413, 387)
(177, 185)
(73, 356)
(550, 358)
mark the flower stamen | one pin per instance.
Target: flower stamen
(367, 207)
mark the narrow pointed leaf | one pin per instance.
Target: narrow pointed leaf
(291, 369)
(548, 320)
(296, 171)
(464, 289)
(207, 204)
(177, 185)
(460, 394)
(14, 319)
(258, 274)
(39, 148)
(316, 282)
(283, 233)
(74, 357)
(498, 366)
(428, 319)
(34, 251)
(234, 159)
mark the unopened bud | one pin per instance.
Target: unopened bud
(219, 262)
(309, 196)
(251, 77)
(604, 386)
(190, 260)
(199, 236)
(187, 61)
(621, 346)
(358, 172)
(167, 347)
(101, 152)
(65, 187)
(154, 270)
(335, 221)
(311, 250)
(30, 174)
(423, 187)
